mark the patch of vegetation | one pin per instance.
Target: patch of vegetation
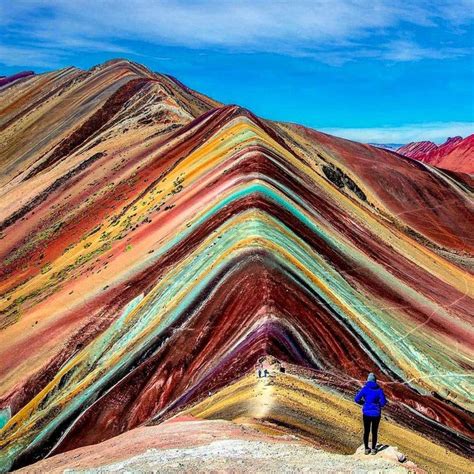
(341, 180)
(46, 268)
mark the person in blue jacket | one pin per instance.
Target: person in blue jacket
(372, 399)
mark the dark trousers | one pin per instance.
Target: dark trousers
(371, 422)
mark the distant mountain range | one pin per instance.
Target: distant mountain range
(387, 146)
(456, 153)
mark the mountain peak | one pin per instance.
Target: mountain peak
(454, 154)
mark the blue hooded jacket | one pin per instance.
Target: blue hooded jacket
(373, 397)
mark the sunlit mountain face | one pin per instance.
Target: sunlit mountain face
(158, 246)
(456, 154)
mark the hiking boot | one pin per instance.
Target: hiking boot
(367, 451)
(373, 451)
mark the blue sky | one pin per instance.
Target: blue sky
(376, 71)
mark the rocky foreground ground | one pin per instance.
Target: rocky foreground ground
(188, 445)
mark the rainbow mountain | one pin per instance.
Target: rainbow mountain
(157, 245)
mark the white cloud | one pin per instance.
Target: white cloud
(244, 23)
(437, 132)
(30, 57)
(406, 50)
(331, 31)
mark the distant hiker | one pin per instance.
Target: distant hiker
(259, 373)
(372, 399)
(265, 372)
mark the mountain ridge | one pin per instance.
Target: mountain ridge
(455, 154)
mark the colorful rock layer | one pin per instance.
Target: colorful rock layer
(456, 154)
(5, 81)
(156, 245)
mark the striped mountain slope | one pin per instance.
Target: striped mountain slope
(156, 245)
